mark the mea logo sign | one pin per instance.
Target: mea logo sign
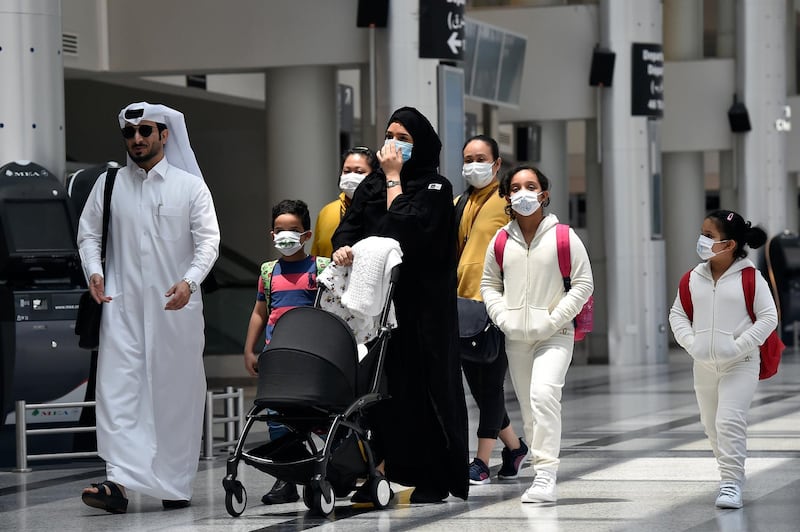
(10, 172)
(49, 413)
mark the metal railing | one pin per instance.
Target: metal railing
(22, 433)
(233, 419)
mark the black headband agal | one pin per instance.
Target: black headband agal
(134, 113)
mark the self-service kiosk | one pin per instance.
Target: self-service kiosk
(40, 284)
(782, 261)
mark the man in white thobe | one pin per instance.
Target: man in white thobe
(163, 239)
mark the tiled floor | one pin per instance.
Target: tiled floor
(634, 458)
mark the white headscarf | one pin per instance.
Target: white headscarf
(178, 150)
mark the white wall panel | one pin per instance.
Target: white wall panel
(234, 35)
(697, 95)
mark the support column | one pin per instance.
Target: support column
(404, 78)
(553, 162)
(761, 84)
(636, 297)
(595, 226)
(369, 129)
(491, 120)
(32, 88)
(726, 47)
(302, 152)
(684, 190)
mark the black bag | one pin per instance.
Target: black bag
(481, 340)
(87, 321)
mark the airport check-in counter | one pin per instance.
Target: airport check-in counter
(40, 285)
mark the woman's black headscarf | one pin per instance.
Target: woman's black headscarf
(425, 155)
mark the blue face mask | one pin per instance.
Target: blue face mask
(404, 147)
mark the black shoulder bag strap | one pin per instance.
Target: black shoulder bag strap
(461, 204)
(111, 175)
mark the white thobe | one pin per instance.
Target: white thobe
(150, 378)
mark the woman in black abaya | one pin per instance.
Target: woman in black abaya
(421, 432)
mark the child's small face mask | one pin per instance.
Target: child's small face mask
(289, 242)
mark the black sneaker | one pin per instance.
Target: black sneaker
(512, 460)
(281, 492)
(478, 472)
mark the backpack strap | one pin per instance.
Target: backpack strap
(564, 259)
(749, 288)
(266, 276)
(686, 295)
(500, 247)
(322, 263)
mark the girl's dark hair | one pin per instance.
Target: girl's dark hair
(505, 184)
(488, 140)
(296, 207)
(732, 226)
(368, 154)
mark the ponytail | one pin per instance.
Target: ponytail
(732, 226)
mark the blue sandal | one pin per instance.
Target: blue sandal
(111, 500)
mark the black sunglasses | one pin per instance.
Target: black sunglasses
(145, 131)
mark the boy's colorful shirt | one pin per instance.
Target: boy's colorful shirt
(293, 284)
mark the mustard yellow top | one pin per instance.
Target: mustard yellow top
(327, 221)
(484, 214)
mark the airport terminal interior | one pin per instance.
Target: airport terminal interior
(634, 458)
(634, 179)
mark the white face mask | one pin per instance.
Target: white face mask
(704, 245)
(525, 202)
(288, 242)
(478, 174)
(349, 182)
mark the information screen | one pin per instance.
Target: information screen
(37, 226)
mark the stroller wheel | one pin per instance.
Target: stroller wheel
(380, 491)
(235, 499)
(319, 504)
(308, 497)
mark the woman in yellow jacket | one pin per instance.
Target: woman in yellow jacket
(357, 163)
(484, 212)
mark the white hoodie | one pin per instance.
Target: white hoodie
(527, 299)
(722, 330)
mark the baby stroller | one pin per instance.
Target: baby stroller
(311, 376)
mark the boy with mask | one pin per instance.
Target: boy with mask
(283, 284)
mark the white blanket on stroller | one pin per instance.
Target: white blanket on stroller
(357, 293)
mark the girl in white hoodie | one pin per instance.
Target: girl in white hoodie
(724, 342)
(526, 299)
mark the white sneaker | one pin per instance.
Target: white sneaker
(543, 488)
(730, 495)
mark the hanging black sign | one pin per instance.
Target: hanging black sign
(441, 29)
(647, 80)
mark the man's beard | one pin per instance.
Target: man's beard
(146, 156)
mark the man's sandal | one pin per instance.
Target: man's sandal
(108, 497)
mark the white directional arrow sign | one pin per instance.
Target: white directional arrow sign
(454, 42)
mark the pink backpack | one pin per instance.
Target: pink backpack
(585, 319)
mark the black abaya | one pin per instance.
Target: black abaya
(422, 429)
